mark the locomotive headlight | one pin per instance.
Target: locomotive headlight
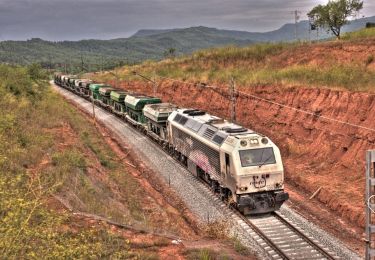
(264, 140)
(254, 141)
(243, 143)
(243, 188)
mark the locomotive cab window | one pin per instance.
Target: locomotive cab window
(257, 157)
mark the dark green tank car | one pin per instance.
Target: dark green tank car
(118, 101)
(134, 105)
(94, 90)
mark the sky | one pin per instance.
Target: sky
(107, 19)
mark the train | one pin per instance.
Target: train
(242, 166)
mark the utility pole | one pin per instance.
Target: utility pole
(49, 63)
(70, 65)
(115, 73)
(155, 86)
(370, 205)
(232, 91)
(82, 63)
(93, 110)
(296, 19)
(101, 64)
(154, 83)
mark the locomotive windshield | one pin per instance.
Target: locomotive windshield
(257, 157)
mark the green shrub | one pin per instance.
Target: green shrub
(358, 35)
(369, 59)
(28, 137)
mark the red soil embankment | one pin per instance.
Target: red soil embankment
(316, 152)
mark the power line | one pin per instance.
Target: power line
(314, 114)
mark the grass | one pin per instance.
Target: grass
(77, 169)
(204, 254)
(42, 155)
(267, 64)
(366, 33)
(254, 53)
(29, 229)
(239, 247)
(349, 77)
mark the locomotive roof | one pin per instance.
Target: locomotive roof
(211, 127)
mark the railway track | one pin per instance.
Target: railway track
(274, 233)
(281, 239)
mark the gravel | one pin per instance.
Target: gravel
(196, 196)
(313, 231)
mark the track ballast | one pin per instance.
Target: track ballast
(275, 234)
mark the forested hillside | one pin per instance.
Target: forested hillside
(91, 55)
(94, 55)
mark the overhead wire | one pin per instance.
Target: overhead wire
(314, 114)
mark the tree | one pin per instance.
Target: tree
(335, 14)
(171, 52)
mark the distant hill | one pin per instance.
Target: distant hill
(146, 44)
(142, 33)
(284, 33)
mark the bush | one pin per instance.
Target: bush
(28, 228)
(369, 59)
(358, 35)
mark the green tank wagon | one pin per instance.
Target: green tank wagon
(134, 105)
(118, 101)
(94, 90)
(105, 95)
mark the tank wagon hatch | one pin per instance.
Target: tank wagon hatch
(157, 116)
(105, 95)
(134, 105)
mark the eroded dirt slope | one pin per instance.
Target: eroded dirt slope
(317, 152)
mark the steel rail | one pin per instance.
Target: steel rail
(306, 238)
(245, 219)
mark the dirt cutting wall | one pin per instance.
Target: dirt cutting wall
(316, 152)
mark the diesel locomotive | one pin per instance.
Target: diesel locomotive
(244, 167)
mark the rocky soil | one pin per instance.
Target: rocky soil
(317, 152)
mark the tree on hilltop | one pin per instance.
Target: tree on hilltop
(334, 14)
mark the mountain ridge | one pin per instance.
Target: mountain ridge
(94, 54)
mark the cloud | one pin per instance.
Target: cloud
(104, 19)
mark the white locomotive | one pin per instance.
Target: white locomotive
(242, 165)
